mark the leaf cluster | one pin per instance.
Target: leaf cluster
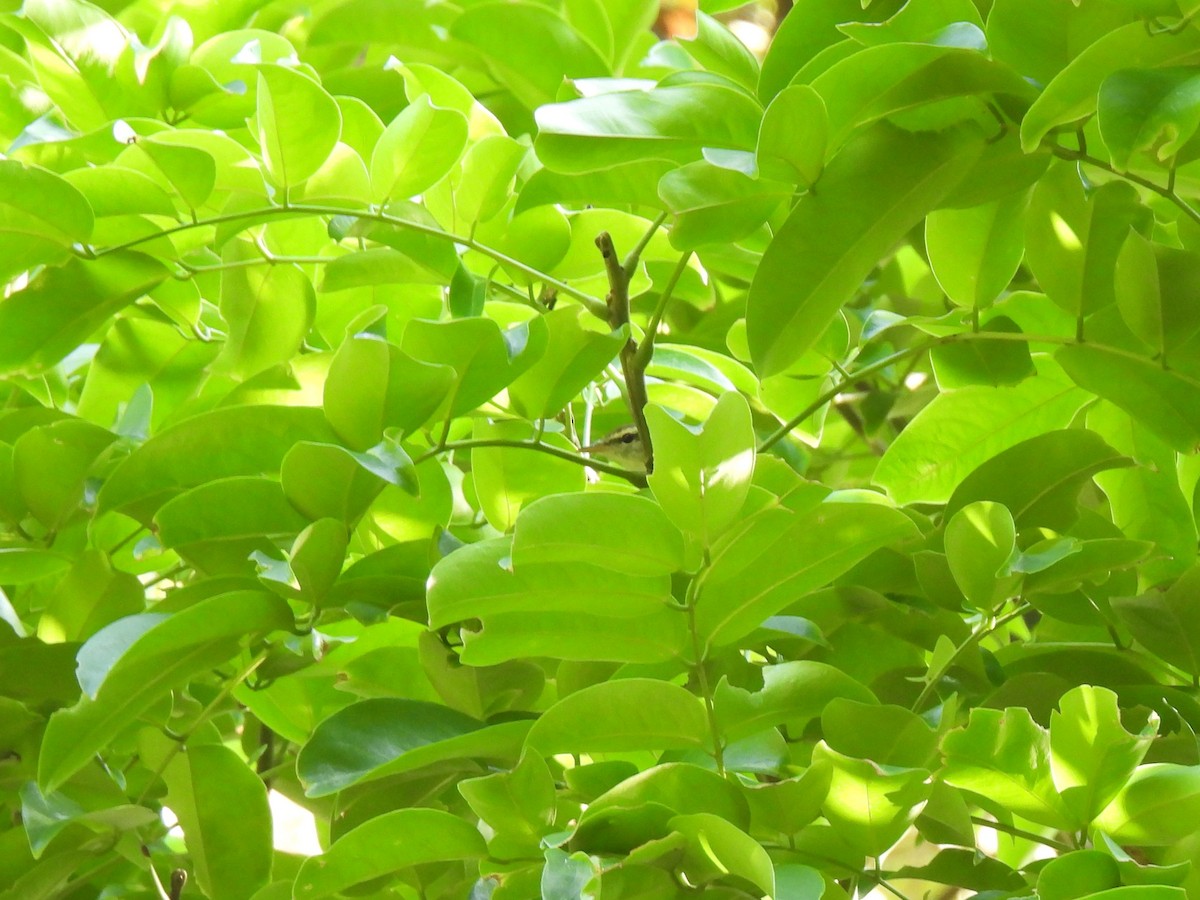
(309, 586)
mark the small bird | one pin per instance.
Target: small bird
(623, 447)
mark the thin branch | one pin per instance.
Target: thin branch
(988, 626)
(646, 350)
(629, 265)
(785, 429)
(1165, 192)
(618, 318)
(205, 714)
(1021, 833)
(628, 474)
(593, 304)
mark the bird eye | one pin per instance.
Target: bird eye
(628, 438)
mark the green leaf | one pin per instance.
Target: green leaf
(1005, 756)
(51, 464)
(298, 124)
(620, 532)
(1156, 808)
(565, 877)
(20, 565)
(793, 136)
(116, 191)
(1092, 756)
(519, 805)
(1166, 402)
(506, 478)
(971, 426)
(620, 716)
(800, 39)
(239, 440)
(416, 150)
(958, 364)
(528, 47)
(901, 77)
(191, 172)
(1073, 93)
(718, 50)
(640, 808)
(134, 662)
(777, 556)
(1153, 287)
(576, 354)
(92, 595)
(1082, 873)
(219, 524)
(672, 123)
(567, 610)
(1039, 480)
(41, 216)
(980, 542)
(268, 309)
(793, 692)
(633, 182)
(871, 807)
(702, 479)
(488, 169)
(728, 848)
(328, 481)
(221, 804)
(975, 252)
(887, 735)
(373, 385)
(62, 307)
(875, 190)
(1148, 109)
(388, 843)
(383, 736)
(712, 204)
(485, 358)
(1166, 622)
(317, 556)
(967, 870)
(1073, 237)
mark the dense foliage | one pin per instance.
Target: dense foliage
(309, 309)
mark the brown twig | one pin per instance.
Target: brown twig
(632, 368)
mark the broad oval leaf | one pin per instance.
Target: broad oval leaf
(1156, 807)
(870, 195)
(614, 531)
(239, 440)
(41, 215)
(776, 556)
(1039, 479)
(702, 479)
(375, 738)
(1073, 92)
(62, 307)
(1165, 401)
(961, 430)
(392, 842)
(416, 150)
(298, 124)
(373, 385)
(975, 252)
(1138, 107)
(221, 804)
(130, 667)
(672, 122)
(620, 716)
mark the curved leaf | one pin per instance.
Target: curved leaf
(870, 195)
